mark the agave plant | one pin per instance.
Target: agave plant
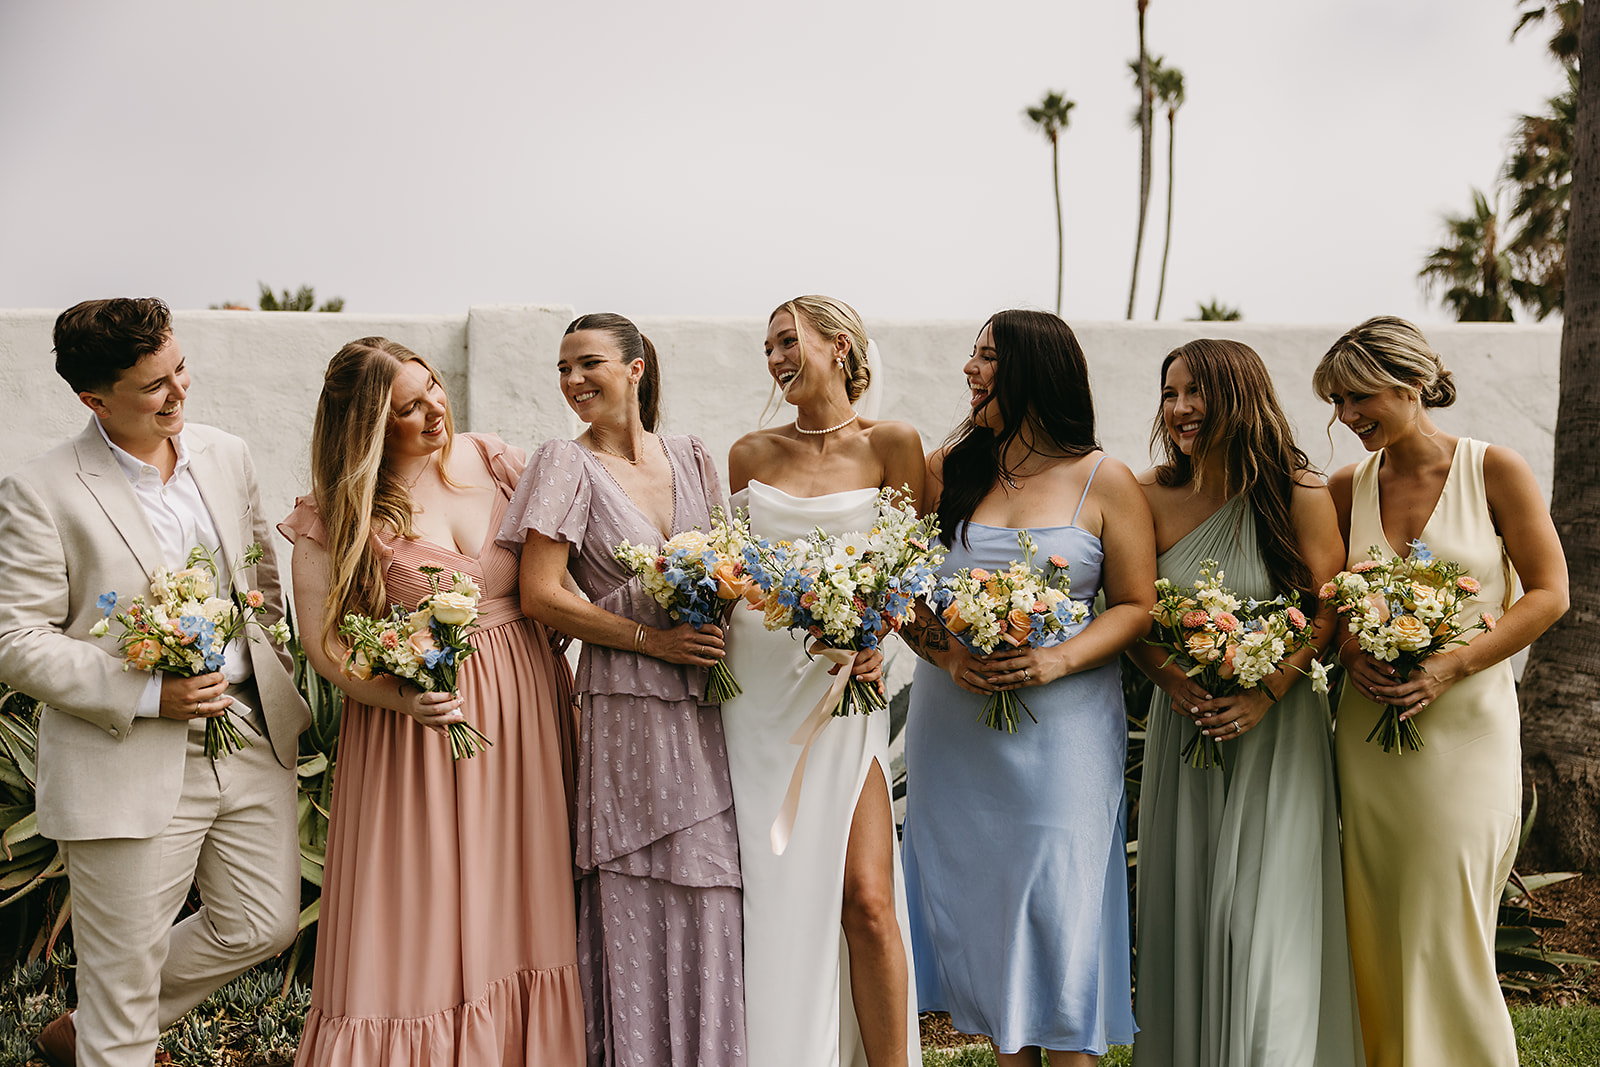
(28, 861)
(318, 752)
(1519, 935)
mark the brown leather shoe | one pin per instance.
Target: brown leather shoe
(57, 1043)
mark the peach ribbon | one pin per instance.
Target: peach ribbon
(806, 736)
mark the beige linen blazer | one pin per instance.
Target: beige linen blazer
(71, 529)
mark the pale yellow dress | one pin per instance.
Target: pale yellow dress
(1429, 836)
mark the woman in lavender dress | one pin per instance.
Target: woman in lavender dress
(659, 926)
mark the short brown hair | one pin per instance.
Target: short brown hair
(99, 339)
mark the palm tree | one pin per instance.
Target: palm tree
(1565, 14)
(1561, 686)
(1167, 83)
(1474, 271)
(1539, 172)
(1217, 311)
(304, 300)
(1142, 70)
(1050, 116)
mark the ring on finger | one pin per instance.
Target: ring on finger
(1237, 728)
(1027, 676)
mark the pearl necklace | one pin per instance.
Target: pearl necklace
(817, 433)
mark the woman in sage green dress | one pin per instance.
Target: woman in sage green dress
(1241, 936)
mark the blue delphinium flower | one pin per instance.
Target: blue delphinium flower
(107, 602)
(1419, 550)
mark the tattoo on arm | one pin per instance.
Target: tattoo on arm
(925, 637)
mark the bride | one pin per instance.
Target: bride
(826, 945)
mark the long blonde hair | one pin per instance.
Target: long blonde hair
(355, 493)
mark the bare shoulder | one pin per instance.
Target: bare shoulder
(751, 455)
(1149, 478)
(1114, 478)
(1504, 465)
(894, 434)
(1341, 483)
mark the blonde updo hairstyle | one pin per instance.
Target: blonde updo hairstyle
(830, 318)
(1385, 353)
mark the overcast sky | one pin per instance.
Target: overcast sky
(713, 158)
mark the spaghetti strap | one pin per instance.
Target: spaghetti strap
(1086, 486)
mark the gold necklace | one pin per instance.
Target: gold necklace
(617, 455)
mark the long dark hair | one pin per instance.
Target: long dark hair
(633, 345)
(1041, 383)
(1245, 423)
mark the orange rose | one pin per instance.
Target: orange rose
(1228, 654)
(143, 655)
(1378, 606)
(359, 666)
(421, 643)
(953, 620)
(1018, 627)
(1410, 634)
(1201, 647)
(730, 584)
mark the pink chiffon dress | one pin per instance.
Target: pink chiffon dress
(447, 933)
(660, 927)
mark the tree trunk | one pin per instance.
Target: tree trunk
(1172, 170)
(1144, 156)
(1055, 179)
(1560, 692)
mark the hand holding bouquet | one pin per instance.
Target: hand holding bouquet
(1021, 606)
(184, 627)
(424, 647)
(849, 591)
(697, 576)
(1229, 644)
(1402, 611)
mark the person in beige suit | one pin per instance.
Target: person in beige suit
(123, 778)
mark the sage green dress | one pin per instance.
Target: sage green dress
(1242, 954)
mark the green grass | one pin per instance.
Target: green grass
(1558, 1037)
(1546, 1037)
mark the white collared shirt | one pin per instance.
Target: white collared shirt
(180, 519)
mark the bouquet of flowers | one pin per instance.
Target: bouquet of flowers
(1021, 606)
(1402, 611)
(849, 591)
(184, 626)
(424, 647)
(1229, 644)
(696, 576)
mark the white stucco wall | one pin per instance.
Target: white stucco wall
(259, 373)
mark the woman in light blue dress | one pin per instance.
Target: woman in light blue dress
(1015, 854)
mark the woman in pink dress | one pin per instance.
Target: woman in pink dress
(447, 933)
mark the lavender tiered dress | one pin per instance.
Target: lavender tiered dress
(659, 923)
(447, 930)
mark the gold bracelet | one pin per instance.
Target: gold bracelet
(638, 639)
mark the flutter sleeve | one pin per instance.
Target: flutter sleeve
(552, 497)
(304, 521)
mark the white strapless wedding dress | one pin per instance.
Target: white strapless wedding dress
(798, 1007)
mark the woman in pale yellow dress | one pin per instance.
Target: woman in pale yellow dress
(1429, 836)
